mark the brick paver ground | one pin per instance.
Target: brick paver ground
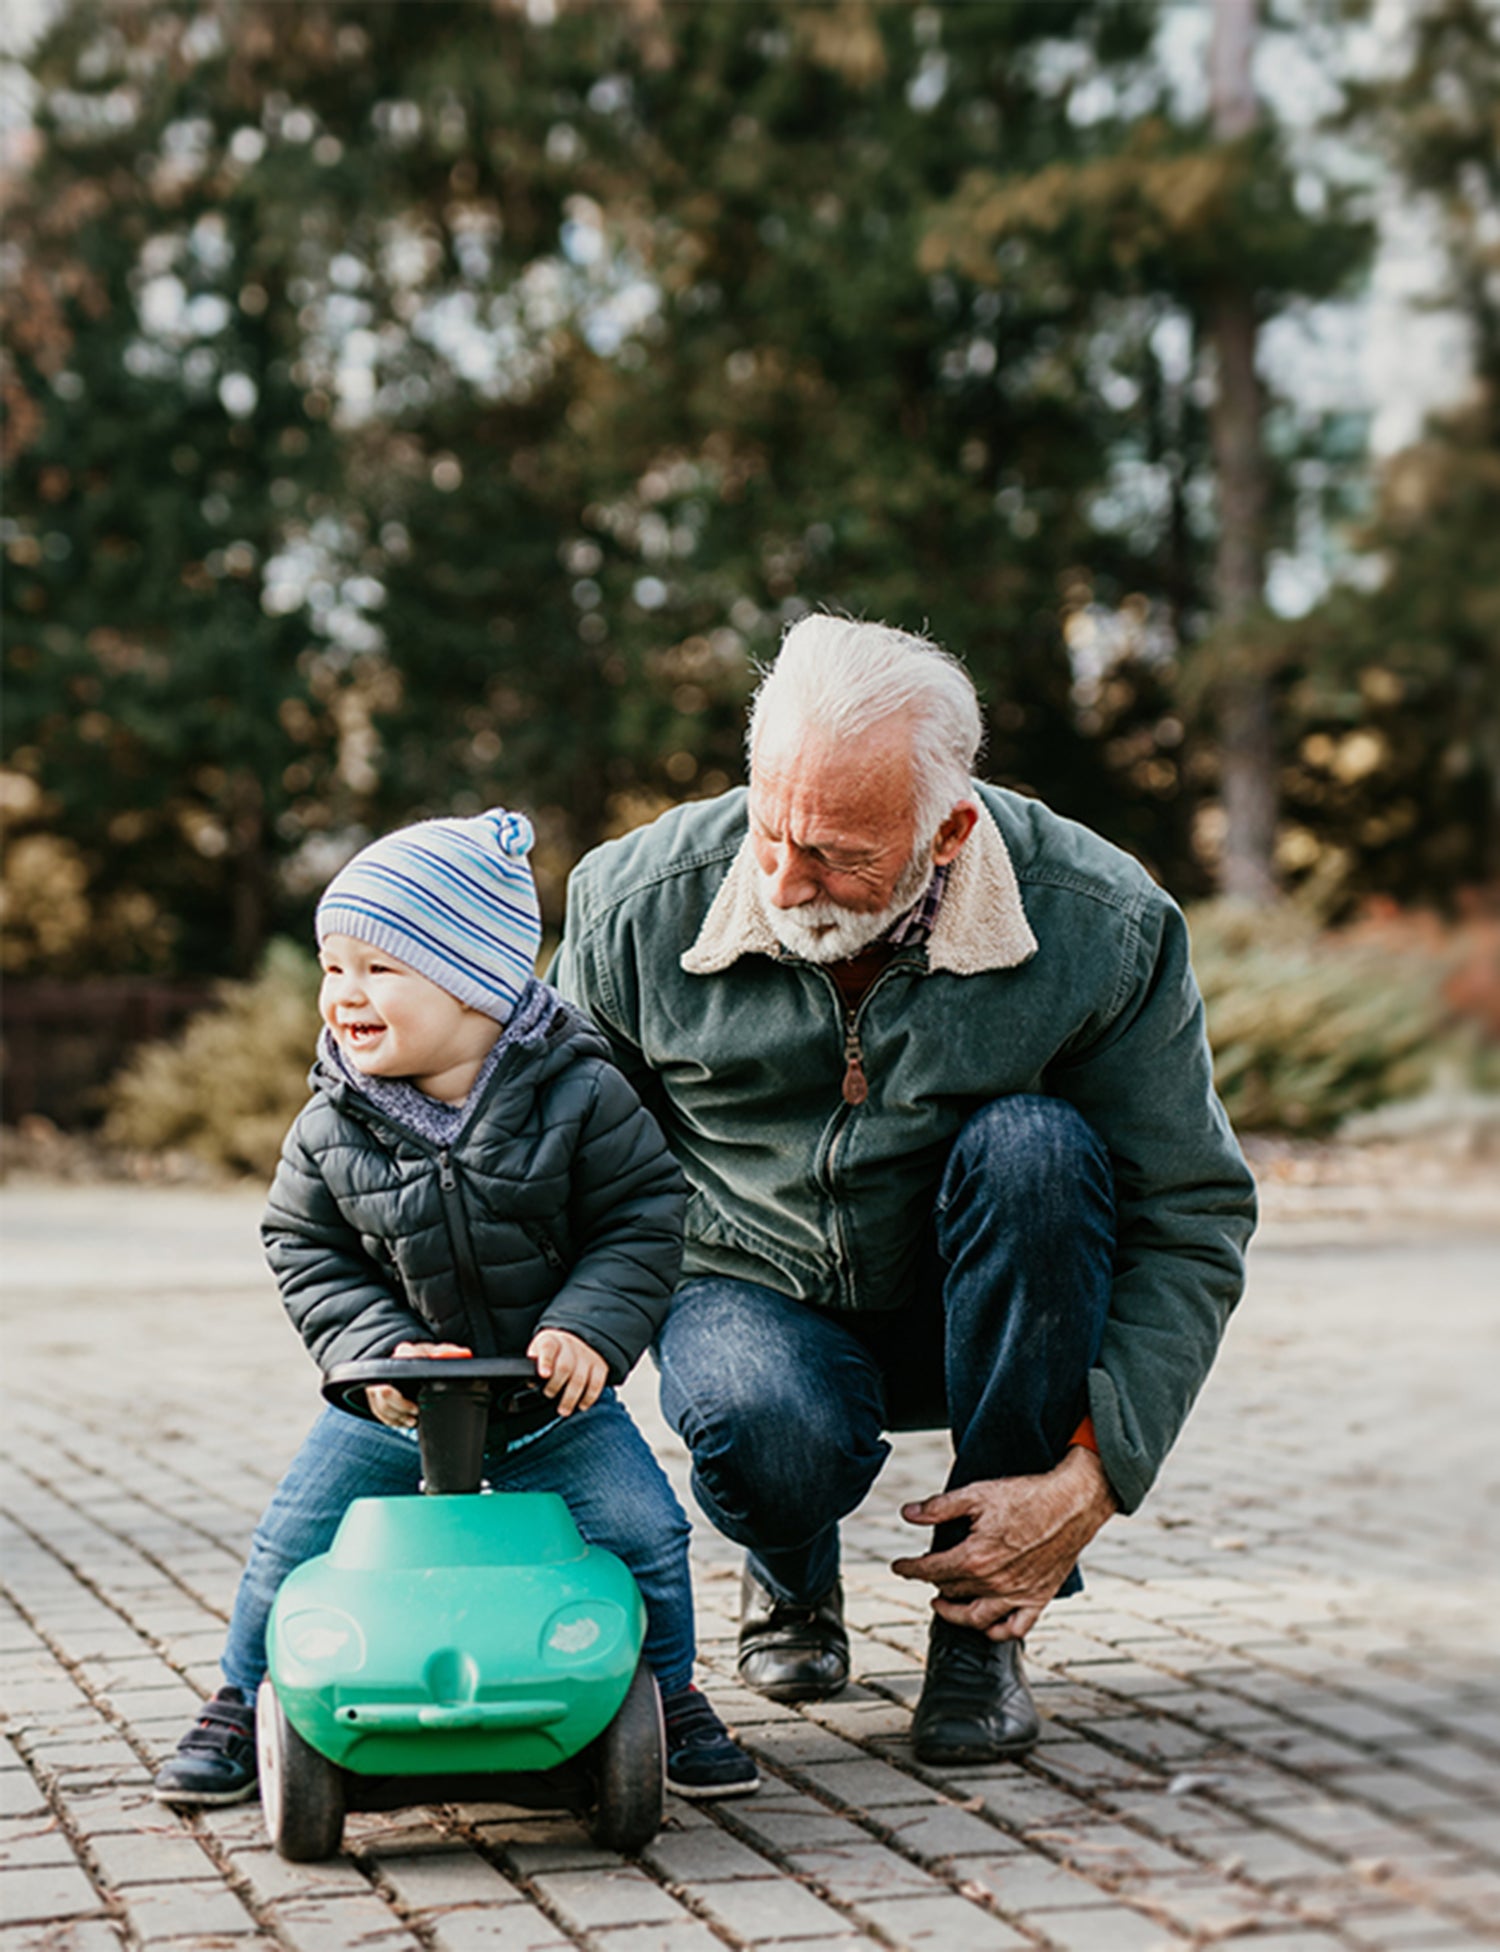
(1274, 1717)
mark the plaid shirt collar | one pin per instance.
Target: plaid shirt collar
(918, 921)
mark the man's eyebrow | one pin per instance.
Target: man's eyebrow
(829, 851)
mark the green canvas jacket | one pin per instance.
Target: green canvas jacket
(1056, 966)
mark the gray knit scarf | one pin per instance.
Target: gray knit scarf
(428, 1117)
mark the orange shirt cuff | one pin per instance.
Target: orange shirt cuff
(1084, 1436)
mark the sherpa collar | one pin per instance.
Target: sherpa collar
(980, 925)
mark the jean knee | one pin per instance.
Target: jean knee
(748, 1408)
(780, 1407)
(1035, 1155)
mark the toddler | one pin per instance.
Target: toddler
(471, 1175)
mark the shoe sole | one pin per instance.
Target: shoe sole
(204, 1799)
(794, 1690)
(972, 1754)
(712, 1793)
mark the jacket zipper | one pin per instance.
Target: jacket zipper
(545, 1245)
(470, 1287)
(854, 1089)
(480, 1336)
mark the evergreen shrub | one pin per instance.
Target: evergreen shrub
(226, 1088)
(1310, 1026)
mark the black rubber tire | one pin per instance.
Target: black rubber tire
(630, 1771)
(301, 1792)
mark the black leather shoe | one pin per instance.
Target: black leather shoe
(975, 1705)
(792, 1653)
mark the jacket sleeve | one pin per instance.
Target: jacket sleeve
(626, 1206)
(1185, 1199)
(344, 1305)
(598, 984)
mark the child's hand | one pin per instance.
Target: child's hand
(571, 1371)
(386, 1401)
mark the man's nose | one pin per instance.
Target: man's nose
(792, 880)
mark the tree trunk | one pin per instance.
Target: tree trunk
(1247, 729)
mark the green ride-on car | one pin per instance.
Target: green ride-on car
(461, 1646)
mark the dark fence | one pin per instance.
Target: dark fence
(62, 1042)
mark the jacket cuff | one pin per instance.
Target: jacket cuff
(1130, 1470)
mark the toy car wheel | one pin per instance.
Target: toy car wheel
(630, 1771)
(301, 1792)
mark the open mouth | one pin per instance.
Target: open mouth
(360, 1033)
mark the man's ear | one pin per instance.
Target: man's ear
(954, 831)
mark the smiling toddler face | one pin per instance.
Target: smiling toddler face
(391, 1022)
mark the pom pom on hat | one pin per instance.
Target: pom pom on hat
(452, 899)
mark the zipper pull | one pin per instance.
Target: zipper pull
(856, 1086)
(445, 1173)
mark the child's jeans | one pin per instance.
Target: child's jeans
(595, 1459)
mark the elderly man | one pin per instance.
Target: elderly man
(933, 1061)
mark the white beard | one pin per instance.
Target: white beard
(821, 931)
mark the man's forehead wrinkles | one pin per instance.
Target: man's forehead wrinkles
(817, 839)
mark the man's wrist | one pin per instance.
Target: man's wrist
(1083, 1464)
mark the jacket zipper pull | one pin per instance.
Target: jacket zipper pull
(445, 1173)
(856, 1086)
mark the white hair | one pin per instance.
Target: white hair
(836, 678)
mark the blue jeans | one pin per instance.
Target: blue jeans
(595, 1459)
(782, 1405)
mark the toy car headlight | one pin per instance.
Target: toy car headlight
(323, 1637)
(584, 1631)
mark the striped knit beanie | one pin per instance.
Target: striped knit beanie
(452, 899)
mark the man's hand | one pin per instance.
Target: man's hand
(1024, 1536)
(570, 1370)
(386, 1401)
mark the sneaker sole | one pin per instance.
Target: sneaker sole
(204, 1799)
(712, 1792)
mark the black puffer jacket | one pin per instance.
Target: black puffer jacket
(558, 1202)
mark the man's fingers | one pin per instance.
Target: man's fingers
(1001, 1617)
(943, 1506)
(1017, 1625)
(992, 1615)
(939, 1567)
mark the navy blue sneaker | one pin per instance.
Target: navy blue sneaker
(702, 1762)
(215, 1760)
